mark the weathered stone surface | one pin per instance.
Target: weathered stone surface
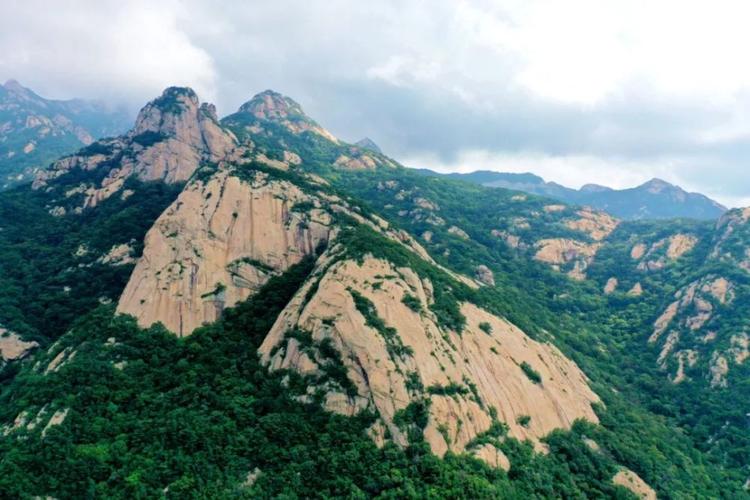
(559, 251)
(488, 362)
(217, 244)
(597, 225)
(172, 136)
(632, 481)
(13, 347)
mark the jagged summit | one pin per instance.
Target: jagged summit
(173, 134)
(14, 86)
(367, 143)
(271, 106)
(657, 185)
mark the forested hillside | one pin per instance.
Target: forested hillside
(251, 307)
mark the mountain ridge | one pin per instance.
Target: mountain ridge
(655, 198)
(34, 130)
(289, 290)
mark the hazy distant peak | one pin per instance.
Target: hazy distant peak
(594, 188)
(367, 143)
(656, 185)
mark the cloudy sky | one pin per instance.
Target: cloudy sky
(606, 91)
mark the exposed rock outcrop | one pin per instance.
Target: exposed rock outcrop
(217, 244)
(632, 481)
(663, 251)
(563, 251)
(597, 225)
(688, 321)
(410, 357)
(274, 107)
(172, 136)
(13, 347)
(484, 275)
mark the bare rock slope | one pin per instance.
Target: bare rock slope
(215, 245)
(471, 379)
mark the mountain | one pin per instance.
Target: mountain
(35, 131)
(251, 307)
(655, 199)
(368, 143)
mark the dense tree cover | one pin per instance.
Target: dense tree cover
(196, 417)
(49, 274)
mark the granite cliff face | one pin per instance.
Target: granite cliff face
(377, 317)
(173, 135)
(218, 243)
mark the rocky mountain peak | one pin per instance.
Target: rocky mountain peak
(368, 143)
(172, 136)
(270, 105)
(658, 186)
(173, 110)
(13, 86)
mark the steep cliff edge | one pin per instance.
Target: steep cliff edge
(220, 241)
(173, 135)
(398, 357)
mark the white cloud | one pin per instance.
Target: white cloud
(578, 91)
(126, 50)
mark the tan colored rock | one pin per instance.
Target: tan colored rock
(426, 204)
(511, 240)
(13, 347)
(721, 289)
(718, 370)
(168, 143)
(457, 231)
(562, 250)
(663, 321)
(64, 356)
(118, 255)
(362, 162)
(292, 158)
(57, 418)
(672, 339)
(554, 208)
(280, 109)
(636, 291)
(427, 236)
(437, 357)
(680, 244)
(57, 211)
(485, 275)
(632, 481)
(279, 165)
(558, 251)
(492, 456)
(610, 286)
(684, 357)
(217, 244)
(597, 225)
(740, 347)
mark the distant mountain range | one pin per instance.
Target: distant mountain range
(655, 199)
(34, 131)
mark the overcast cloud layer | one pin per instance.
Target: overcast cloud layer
(612, 92)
